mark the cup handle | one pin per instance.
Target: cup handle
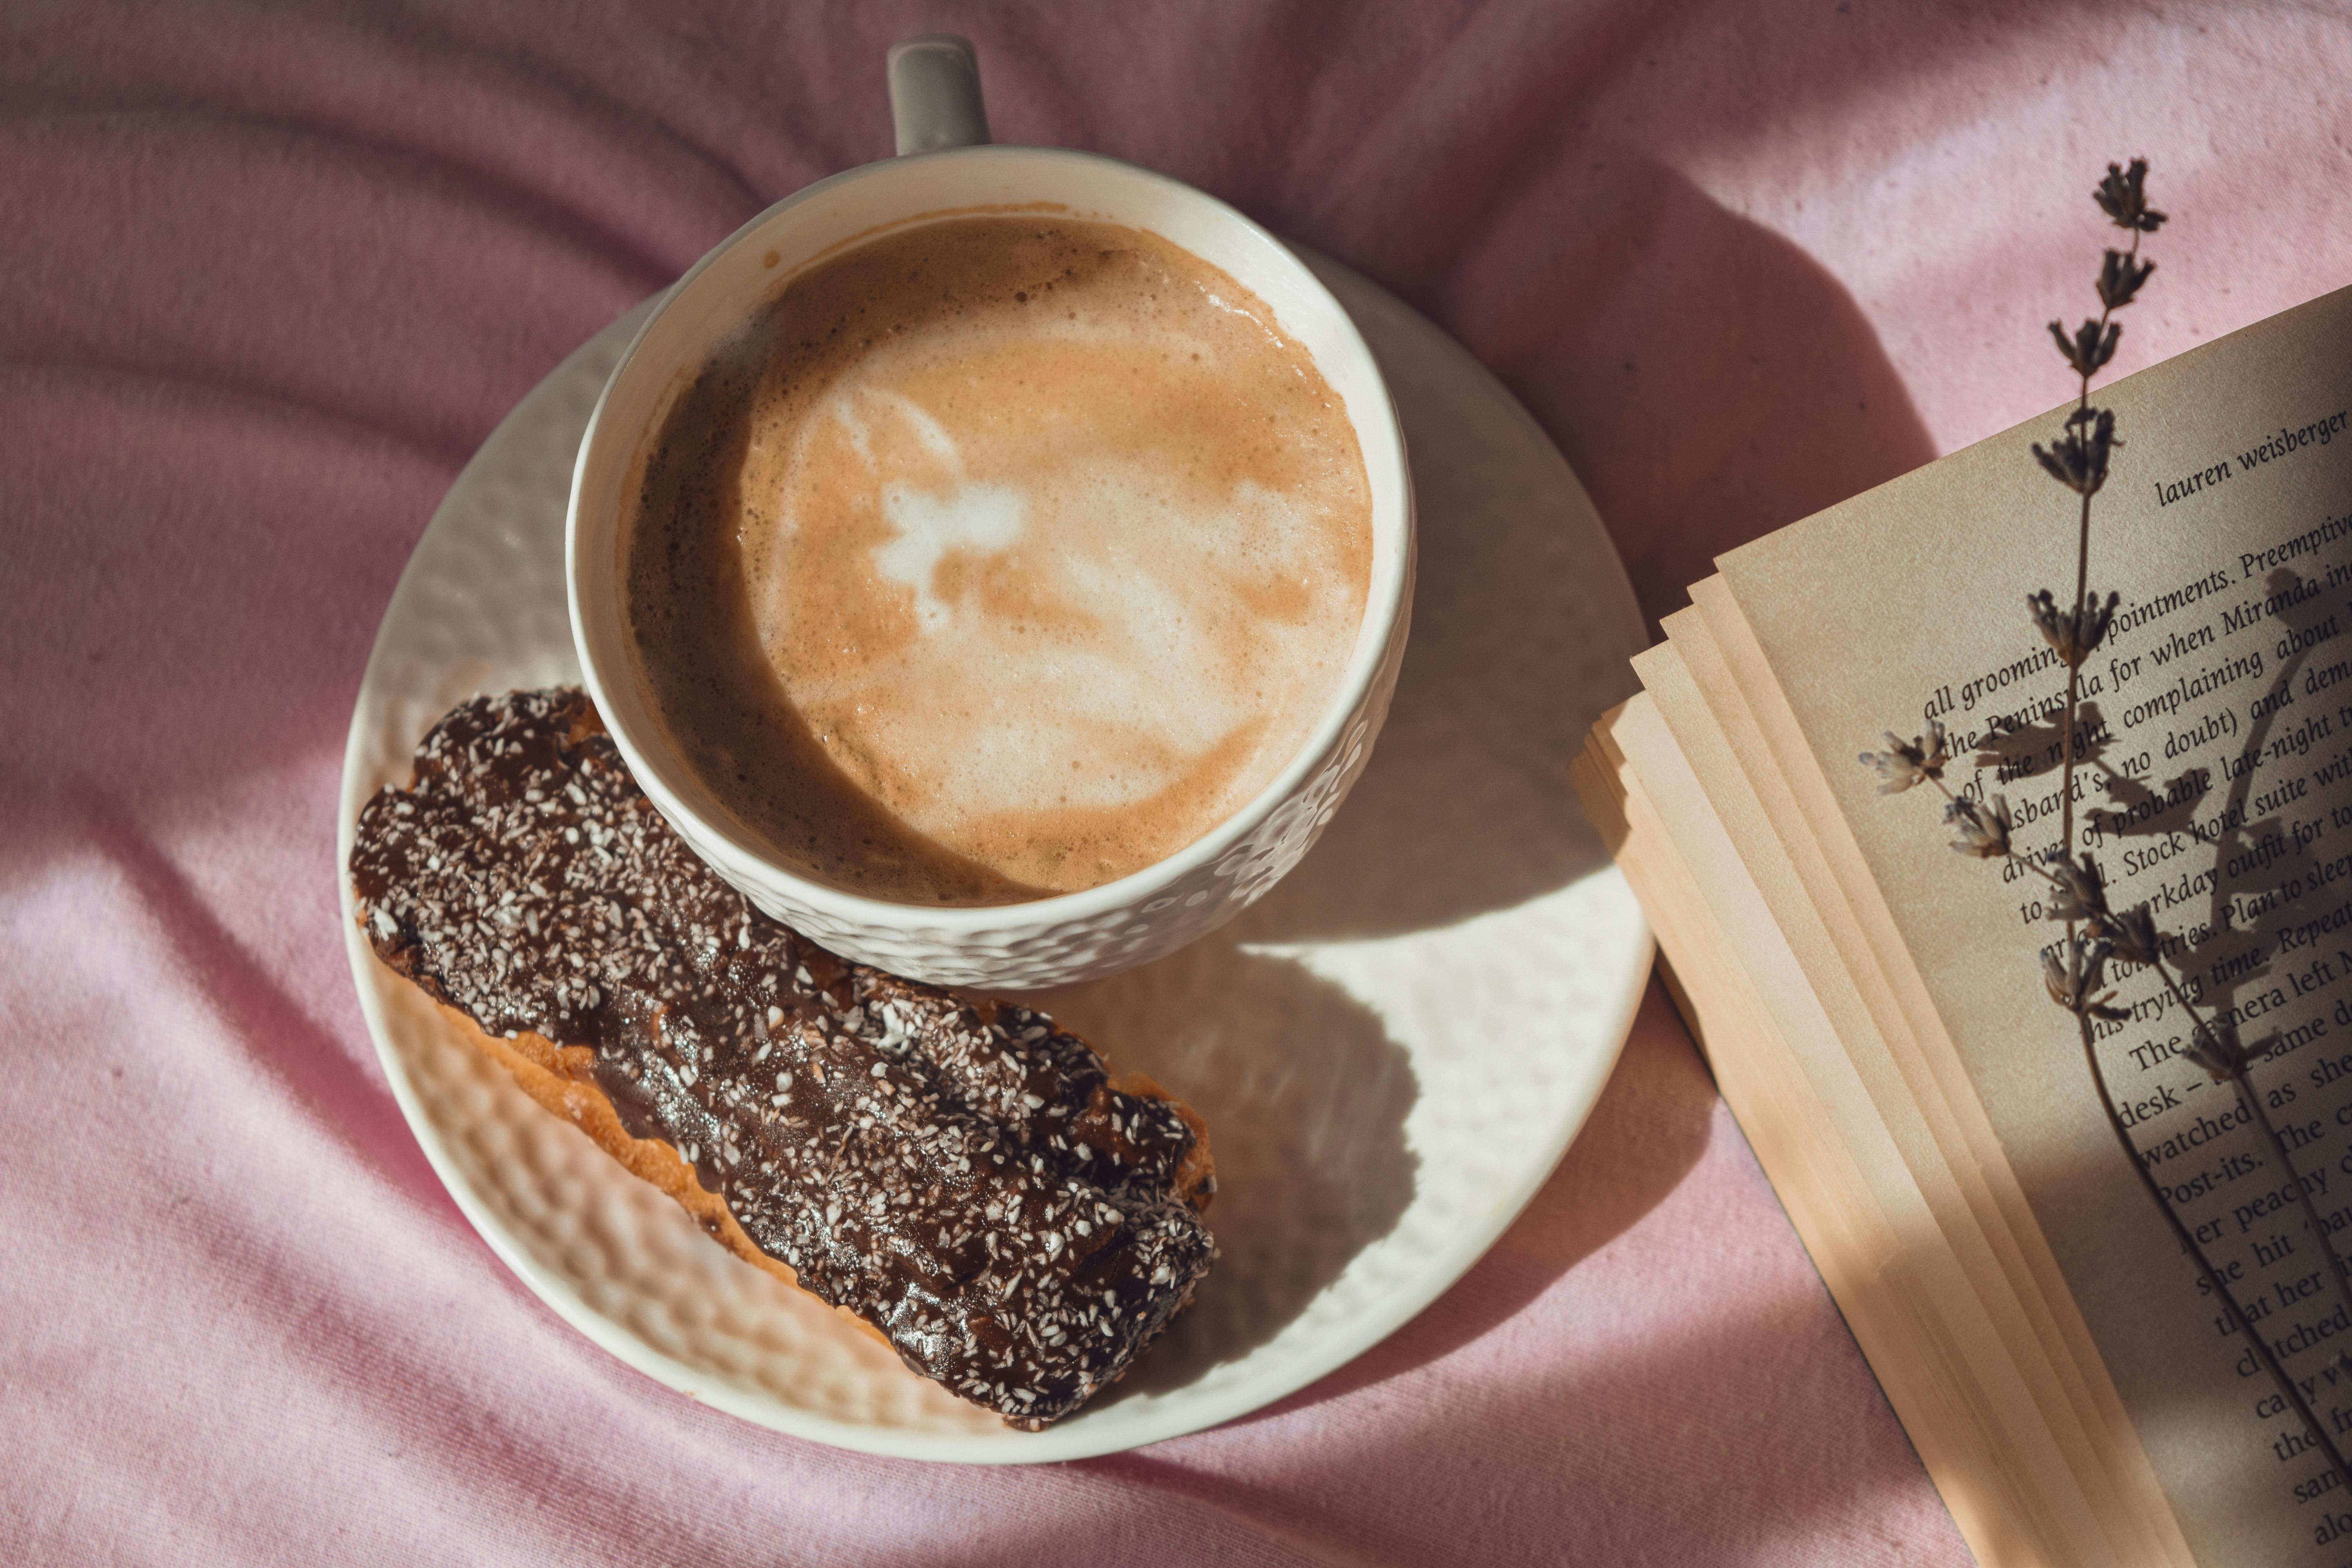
(935, 101)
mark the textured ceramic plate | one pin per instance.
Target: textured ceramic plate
(1391, 1049)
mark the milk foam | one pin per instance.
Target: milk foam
(1056, 580)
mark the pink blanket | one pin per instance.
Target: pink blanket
(268, 278)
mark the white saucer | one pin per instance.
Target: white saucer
(1391, 1049)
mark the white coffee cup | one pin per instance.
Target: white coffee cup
(935, 94)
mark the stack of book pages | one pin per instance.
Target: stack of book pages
(1872, 1004)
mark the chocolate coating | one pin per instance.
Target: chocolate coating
(962, 1175)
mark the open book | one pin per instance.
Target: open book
(1872, 1004)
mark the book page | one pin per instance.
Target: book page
(1812, 1107)
(1824, 899)
(2217, 790)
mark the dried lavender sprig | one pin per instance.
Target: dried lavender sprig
(2079, 459)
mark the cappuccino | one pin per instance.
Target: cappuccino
(1001, 557)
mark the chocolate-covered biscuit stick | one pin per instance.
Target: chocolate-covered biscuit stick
(961, 1176)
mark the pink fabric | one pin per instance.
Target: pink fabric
(271, 275)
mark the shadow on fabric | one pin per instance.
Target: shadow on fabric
(1651, 1127)
(1708, 381)
(313, 1065)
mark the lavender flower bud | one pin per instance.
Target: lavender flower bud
(2133, 930)
(2081, 992)
(2090, 348)
(2073, 641)
(2119, 279)
(2218, 1052)
(2080, 893)
(2076, 460)
(1982, 831)
(1901, 766)
(2123, 197)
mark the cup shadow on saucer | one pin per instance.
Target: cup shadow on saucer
(1306, 1097)
(1522, 624)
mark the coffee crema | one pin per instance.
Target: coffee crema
(1001, 557)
